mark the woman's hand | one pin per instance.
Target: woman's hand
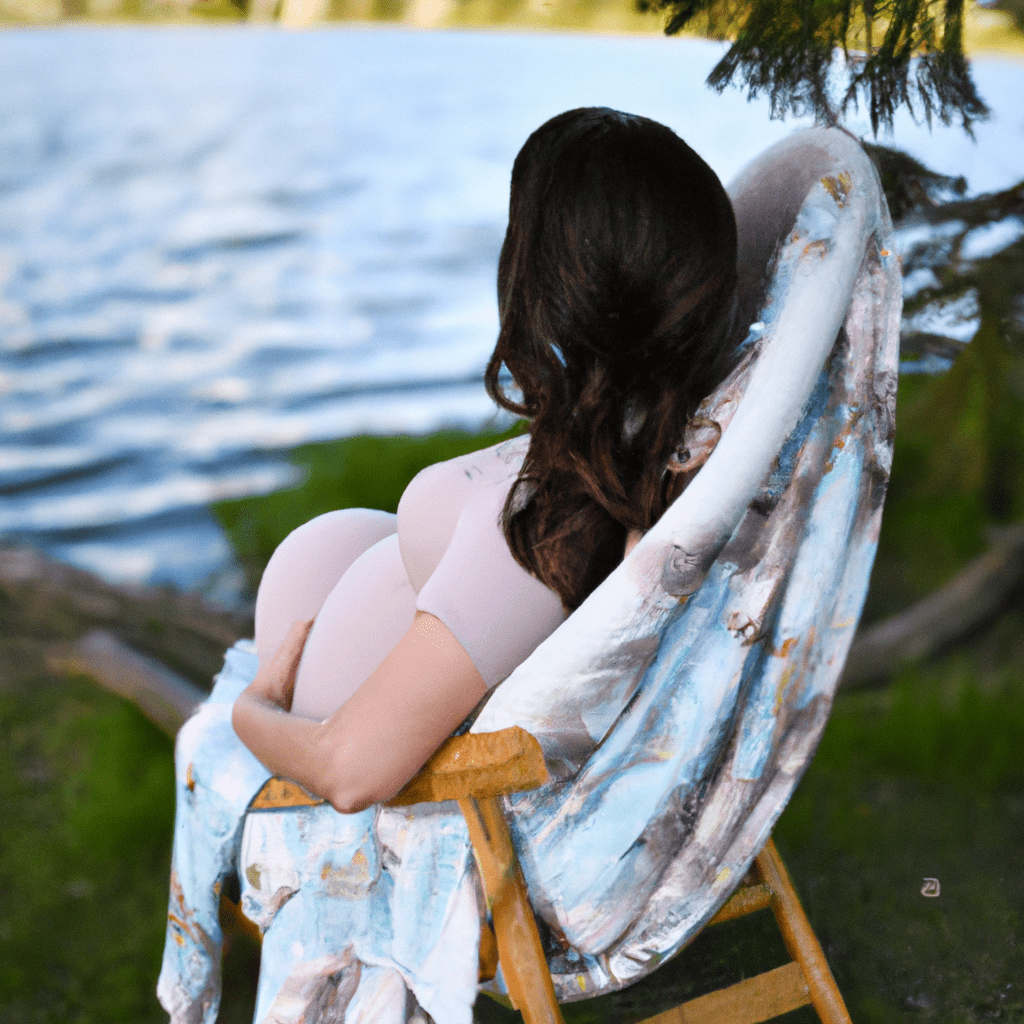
(381, 736)
(275, 682)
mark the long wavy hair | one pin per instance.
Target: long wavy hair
(616, 297)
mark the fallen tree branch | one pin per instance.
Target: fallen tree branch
(48, 601)
(163, 696)
(972, 599)
(181, 631)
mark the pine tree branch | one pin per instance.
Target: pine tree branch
(786, 49)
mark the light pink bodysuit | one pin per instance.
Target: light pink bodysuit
(364, 574)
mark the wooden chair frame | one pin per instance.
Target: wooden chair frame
(477, 769)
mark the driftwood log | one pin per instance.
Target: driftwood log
(975, 597)
(165, 698)
(160, 649)
(156, 647)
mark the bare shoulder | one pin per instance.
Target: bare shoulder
(492, 465)
(500, 461)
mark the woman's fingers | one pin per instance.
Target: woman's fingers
(288, 657)
(276, 681)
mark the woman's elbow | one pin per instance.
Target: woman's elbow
(349, 799)
(240, 718)
(346, 796)
(349, 789)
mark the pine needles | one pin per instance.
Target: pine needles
(826, 56)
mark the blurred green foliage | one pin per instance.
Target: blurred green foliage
(963, 733)
(958, 469)
(1014, 8)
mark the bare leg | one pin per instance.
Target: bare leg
(364, 616)
(306, 566)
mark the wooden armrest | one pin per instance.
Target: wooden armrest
(471, 766)
(477, 765)
(476, 769)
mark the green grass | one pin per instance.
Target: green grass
(925, 782)
(974, 738)
(958, 465)
(87, 794)
(859, 848)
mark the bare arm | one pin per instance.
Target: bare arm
(378, 739)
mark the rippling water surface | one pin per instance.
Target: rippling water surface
(216, 244)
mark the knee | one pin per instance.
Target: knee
(307, 565)
(356, 528)
(328, 544)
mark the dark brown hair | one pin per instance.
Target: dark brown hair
(616, 291)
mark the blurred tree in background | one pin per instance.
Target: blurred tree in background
(785, 47)
(1015, 8)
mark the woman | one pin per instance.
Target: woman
(616, 289)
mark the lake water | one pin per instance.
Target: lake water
(216, 244)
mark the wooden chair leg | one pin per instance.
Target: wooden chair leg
(477, 769)
(800, 939)
(806, 980)
(519, 950)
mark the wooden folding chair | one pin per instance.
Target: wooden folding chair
(478, 769)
